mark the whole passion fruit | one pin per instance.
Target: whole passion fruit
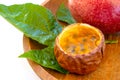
(103, 14)
(79, 48)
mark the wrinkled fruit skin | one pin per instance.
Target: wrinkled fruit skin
(80, 63)
(104, 14)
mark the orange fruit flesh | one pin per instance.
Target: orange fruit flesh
(79, 39)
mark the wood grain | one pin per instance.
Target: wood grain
(109, 68)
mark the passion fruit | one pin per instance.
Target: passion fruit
(79, 48)
(103, 14)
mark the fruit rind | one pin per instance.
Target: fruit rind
(80, 63)
(103, 14)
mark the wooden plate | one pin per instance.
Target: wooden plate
(109, 68)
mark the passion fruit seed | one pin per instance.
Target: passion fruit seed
(93, 38)
(70, 49)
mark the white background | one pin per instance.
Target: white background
(11, 46)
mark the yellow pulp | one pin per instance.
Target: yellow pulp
(79, 39)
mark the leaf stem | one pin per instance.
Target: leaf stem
(111, 41)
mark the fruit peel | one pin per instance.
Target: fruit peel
(80, 63)
(103, 14)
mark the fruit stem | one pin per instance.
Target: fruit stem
(111, 41)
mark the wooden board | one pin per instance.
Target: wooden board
(109, 68)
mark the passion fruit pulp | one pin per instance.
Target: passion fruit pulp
(79, 48)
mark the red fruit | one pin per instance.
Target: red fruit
(104, 14)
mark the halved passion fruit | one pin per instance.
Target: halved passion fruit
(79, 48)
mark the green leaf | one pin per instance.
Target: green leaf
(111, 41)
(63, 14)
(38, 23)
(45, 58)
(35, 21)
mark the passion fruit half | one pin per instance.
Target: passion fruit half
(79, 48)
